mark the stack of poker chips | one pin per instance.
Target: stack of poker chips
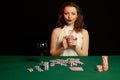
(38, 68)
(104, 66)
(70, 38)
(70, 62)
(46, 65)
(105, 63)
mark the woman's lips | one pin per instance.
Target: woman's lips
(69, 20)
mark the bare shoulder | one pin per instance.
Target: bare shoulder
(85, 32)
(56, 30)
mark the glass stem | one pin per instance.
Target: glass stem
(41, 56)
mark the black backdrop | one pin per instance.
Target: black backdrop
(40, 18)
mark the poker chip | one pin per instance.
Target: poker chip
(30, 69)
(105, 67)
(52, 64)
(99, 68)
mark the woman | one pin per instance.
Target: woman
(70, 38)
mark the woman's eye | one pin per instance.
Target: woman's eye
(73, 13)
(65, 13)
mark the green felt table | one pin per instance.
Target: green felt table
(15, 68)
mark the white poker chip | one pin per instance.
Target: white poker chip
(99, 68)
(30, 69)
(52, 64)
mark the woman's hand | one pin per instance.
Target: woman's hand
(72, 43)
(71, 40)
(65, 43)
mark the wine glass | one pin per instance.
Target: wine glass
(42, 48)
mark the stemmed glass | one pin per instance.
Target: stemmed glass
(42, 48)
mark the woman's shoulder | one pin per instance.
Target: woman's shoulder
(84, 31)
(57, 30)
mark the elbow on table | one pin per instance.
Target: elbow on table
(84, 54)
(52, 53)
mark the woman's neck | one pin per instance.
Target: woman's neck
(70, 26)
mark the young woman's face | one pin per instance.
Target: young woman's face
(70, 15)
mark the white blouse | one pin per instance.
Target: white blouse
(67, 30)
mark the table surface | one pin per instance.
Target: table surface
(15, 68)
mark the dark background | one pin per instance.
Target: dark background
(40, 17)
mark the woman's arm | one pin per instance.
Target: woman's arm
(85, 46)
(53, 44)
